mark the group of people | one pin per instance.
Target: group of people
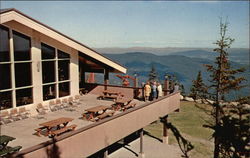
(152, 90)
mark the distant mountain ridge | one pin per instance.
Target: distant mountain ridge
(240, 55)
(185, 68)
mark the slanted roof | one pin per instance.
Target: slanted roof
(7, 15)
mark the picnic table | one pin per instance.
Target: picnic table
(4, 148)
(56, 127)
(97, 112)
(122, 103)
(110, 94)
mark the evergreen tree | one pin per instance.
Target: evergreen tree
(223, 80)
(152, 74)
(198, 89)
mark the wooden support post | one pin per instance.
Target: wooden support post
(166, 87)
(165, 130)
(106, 78)
(141, 154)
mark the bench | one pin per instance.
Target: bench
(9, 150)
(106, 114)
(39, 130)
(108, 97)
(64, 129)
(130, 105)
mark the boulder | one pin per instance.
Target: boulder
(210, 101)
(188, 99)
(234, 103)
(198, 101)
(181, 97)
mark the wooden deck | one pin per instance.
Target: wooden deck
(87, 140)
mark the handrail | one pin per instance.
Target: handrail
(66, 135)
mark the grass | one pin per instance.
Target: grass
(189, 121)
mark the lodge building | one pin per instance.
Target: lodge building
(38, 63)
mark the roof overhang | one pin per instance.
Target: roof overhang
(15, 15)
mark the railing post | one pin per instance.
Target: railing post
(165, 130)
(141, 154)
(166, 87)
(106, 79)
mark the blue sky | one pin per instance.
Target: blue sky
(141, 23)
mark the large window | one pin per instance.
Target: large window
(5, 70)
(16, 88)
(55, 72)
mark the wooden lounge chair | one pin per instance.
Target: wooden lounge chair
(53, 107)
(65, 103)
(24, 113)
(41, 109)
(5, 117)
(72, 102)
(14, 115)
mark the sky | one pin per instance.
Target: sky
(125, 24)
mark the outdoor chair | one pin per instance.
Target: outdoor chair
(71, 105)
(59, 104)
(77, 99)
(65, 103)
(53, 107)
(24, 113)
(14, 115)
(72, 102)
(5, 117)
(41, 109)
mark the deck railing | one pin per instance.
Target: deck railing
(88, 140)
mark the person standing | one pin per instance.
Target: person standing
(159, 89)
(147, 91)
(176, 87)
(154, 89)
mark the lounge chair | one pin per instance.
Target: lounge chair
(53, 106)
(24, 113)
(5, 117)
(14, 115)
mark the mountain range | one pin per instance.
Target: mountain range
(184, 65)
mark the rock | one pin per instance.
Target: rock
(210, 101)
(198, 101)
(188, 99)
(234, 103)
(181, 97)
(247, 106)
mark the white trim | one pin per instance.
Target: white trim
(12, 69)
(13, 15)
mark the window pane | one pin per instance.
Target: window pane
(48, 71)
(63, 89)
(48, 52)
(21, 47)
(5, 80)
(5, 100)
(49, 92)
(24, 96)
(63, 70)
(4, 44)
(62, 55)
(23, 74)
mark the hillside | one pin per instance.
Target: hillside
(189, 122)
(185, 68)
(239, 55)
